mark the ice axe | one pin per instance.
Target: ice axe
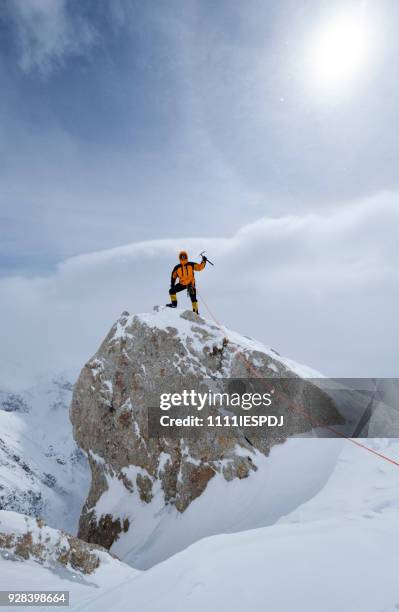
(202, 254)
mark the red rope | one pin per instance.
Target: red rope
(299, 410)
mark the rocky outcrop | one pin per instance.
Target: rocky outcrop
(142, 357)
(23, 538)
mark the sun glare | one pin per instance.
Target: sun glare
(339, 52)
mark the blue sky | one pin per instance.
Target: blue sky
(123, 122)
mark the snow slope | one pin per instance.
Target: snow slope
(293, 473)
(339, 552)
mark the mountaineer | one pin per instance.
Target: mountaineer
(184, 273)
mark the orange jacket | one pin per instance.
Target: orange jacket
(185, 272)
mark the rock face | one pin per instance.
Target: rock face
(142, 357)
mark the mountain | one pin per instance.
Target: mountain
(153, 496)
(43, 473)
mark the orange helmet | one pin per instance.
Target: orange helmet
(183, 255)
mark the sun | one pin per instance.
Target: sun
(339, 52)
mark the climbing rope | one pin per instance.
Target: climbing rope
(314, 422)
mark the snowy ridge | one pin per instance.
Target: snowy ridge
(167, 318)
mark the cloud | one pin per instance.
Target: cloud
(48, 33)
(176, 110)
(319, 288)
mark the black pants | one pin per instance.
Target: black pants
(190, 288)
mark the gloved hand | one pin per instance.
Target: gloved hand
(204, 258)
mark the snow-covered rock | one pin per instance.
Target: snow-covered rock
(24, 537)
(36, 557)
(142, 487)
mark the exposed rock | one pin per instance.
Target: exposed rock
(106, 530)
(142, 357)
(24, 538)
(12, 402)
